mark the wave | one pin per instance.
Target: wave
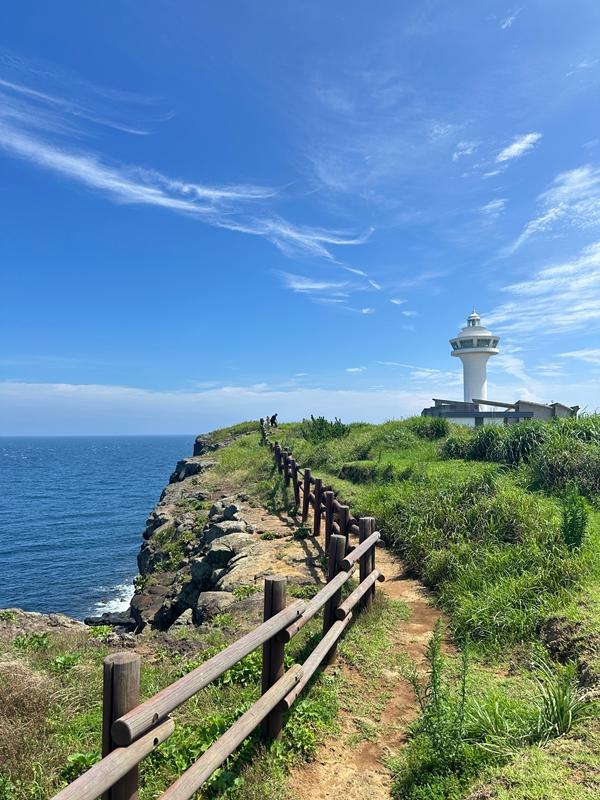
(118, 599)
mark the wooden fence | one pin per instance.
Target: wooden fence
(131, 731)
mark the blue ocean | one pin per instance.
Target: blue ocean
(72, 511)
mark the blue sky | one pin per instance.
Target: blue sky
(213, 211)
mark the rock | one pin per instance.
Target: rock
(216, 509)
(204, 445)
(230, 511)
(115, 639)
(116, 619)
(184, 619)
(224, 528)
(188, 467)
(210, 604)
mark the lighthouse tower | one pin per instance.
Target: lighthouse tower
(474, 344)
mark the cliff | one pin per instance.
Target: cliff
(209, 543)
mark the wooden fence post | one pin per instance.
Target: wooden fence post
(344, 525)
(273, 652)
(286, 467)
(295, 482)
(318, 501)
(277, 453)
(121, 693)
(306, 495)
(336, 553)
(372, 556)
(366, 527)
(329, 498)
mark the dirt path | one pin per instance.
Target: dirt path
(346, 769)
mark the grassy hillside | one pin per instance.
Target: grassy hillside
(503, 524)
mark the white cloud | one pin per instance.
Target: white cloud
(519, 146)
(590, 355)
(355, 369)
(396, 301)
(464, 149)
(507, 22)
(558, 298)
(494, 208)
(573, 198)
(410, 313)
(300, 283)
(375, 285)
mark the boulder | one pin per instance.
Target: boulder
(184, 619)
(231, 511)
(210, 604)
(220, 529)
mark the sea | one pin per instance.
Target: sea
(72, 512)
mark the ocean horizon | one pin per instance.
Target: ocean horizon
(72, 512)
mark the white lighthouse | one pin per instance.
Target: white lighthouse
(474, 344)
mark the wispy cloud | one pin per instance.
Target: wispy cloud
(559, 298)
(410, 313)
(590, 355)
(302, 284)
(45, 130)
(573, 198)
(355, 369)
(396, 301)
(464, 149)
(518, 147)
(508, 22)
(494, 208)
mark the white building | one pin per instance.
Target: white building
(474, 345)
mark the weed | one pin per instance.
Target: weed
(32, 641)
(77, 764)
(7, 615)
(99, 631)
(246, 590)
(304, 592)
(65, 662)
(269, 536)
(302, 532)
(575, 517)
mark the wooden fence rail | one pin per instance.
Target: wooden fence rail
(132, 730)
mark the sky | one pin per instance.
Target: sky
(215, 211)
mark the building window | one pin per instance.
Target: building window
(494, 342)
(483, 342)
(466, 342)
(454, 345)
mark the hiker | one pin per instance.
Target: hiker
(273, 421)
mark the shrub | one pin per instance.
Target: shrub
(457, 445)
(393, 435)
(359, 471)
(562, 461)
(488, 443)
(429, 427)
(575, 515)
(7, 615)
(320, 429)
(522, 440)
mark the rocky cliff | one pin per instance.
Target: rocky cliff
(206, 550)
